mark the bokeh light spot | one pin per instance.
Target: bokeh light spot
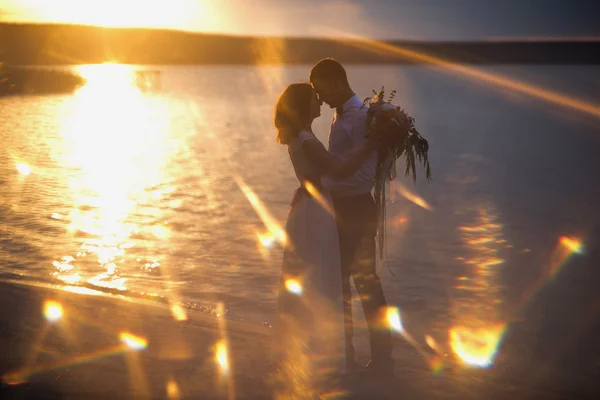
(394, 320)
(53, 311)
(178, 312)
(574, 245)
(221, 356)
(23, 169)
(476, 347)
(293, 286)
(133, 342)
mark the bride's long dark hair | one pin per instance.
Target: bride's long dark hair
(292, 111)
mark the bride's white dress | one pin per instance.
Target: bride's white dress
(309, 329)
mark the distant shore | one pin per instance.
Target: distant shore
(53, 44)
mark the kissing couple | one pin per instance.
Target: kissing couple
(331, 230)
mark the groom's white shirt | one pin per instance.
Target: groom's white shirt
(347, 133)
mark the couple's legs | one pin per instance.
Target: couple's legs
(357, 221)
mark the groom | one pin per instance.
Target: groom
(356, 214)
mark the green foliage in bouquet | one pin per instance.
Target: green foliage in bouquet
(399, 136)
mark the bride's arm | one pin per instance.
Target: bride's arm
(333, 166)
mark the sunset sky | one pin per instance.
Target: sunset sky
(385, 19)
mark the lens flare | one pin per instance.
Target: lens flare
(221, 356)
(178, 312)
(409, 195)
(436, 364)
(133, 342)
(565, 248)
(431, 343)
(293, 286)
(267, 239)
(312, 190)
(270, 222)
(561, 254)
(23, 169)
(22, 375)
(53, 311)
(574, 245)
(475, 74)
(394, 320)
(476, 347)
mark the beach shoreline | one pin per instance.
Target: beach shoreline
(107, 346)
(83, 353)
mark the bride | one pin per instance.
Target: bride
(308, 339)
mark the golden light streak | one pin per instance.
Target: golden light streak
(132, 341)
(137, 376)
(476, 347)
(470, 72)
(565, 248)
(435, 359)
(221, 357)
(312, 190)
(431, 343)
(431, 356)
(411, 196)
(293, 286)
(22, 375)
(268, 54)
(394, 320)
(178, 312)
(267, 239)
(53, 311)
(562, 253)
(268, 220)
(23, 169)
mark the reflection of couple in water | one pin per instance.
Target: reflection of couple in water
(331, 232)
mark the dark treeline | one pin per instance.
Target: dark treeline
(37, 80)
(33, 44)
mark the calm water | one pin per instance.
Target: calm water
(140, 193)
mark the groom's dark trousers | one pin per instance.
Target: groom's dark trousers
(356, 218)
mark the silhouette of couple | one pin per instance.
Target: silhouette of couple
(331, 231)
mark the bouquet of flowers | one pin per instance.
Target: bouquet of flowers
(399, 137)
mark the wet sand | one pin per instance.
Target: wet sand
(82, 355)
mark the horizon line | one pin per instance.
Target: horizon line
(485, 39)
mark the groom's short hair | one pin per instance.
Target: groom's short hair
(328, 69)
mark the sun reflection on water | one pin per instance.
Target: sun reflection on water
(114, 151)
(478, 330)
(23, 169)
(476, 347)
